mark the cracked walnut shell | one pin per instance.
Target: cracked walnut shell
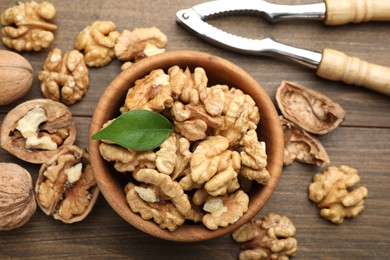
(26, 26)
(309, 109)
(64, 78)
(66, 188)
(269, 238)
(301, 146)
(17, 201)
(36, 129)
(330, 190)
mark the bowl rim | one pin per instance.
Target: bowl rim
(106, 182)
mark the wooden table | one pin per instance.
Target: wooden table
(362, 141)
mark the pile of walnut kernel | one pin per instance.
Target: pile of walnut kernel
(198, 172)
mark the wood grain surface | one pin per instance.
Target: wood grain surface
(362, 141)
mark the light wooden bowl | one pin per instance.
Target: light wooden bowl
(219, 71)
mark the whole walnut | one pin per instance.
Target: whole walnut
(17, 202)
(16, 76)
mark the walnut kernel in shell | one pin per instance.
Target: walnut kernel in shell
(33, 136)
(66, 187)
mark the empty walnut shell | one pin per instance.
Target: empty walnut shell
(309, 109)
(301, 146)
(58, 127)
(17, 202)
(66, 187)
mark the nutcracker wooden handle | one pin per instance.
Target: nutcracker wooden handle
(355, 11)
(338, 66)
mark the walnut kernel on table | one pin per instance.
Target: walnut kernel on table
(97, 43)
(140, 43)
(269, 238)
(36, 129)
(301, 146)
(26, 26)
(64, 78)
(17, 201)
(309, 109)
(209, 169)
(66, 187)
(330, 190)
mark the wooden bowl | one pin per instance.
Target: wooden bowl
(219, 71)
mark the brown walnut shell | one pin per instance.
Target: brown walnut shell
(17, 202)
(16, 76)
(309, 109)
(301, 146)
(62, 195)
(59, 121)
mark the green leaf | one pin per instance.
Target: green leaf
(138, 130)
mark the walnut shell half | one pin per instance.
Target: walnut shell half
(309, 109)
(17, 202)
(36, 130)
(66, 187)
(301, 146)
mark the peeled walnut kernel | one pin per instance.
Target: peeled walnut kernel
(66, 188)
(152, 92)
(174, 156)
(241, 115)
(166, 215)
(16, 77)
(330, 190)
(97, 42)
(64, 78)
(207, 158)
(301, 146)
(171, 191)
(35, 130)
(17, 202)
(254, 158)
(140, 43)
(26, 26)
(269, 238)
(225, 210)
(127, 160)
(309, 109)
